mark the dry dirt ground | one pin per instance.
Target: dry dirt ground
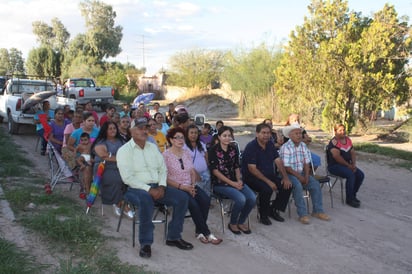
(376, 238)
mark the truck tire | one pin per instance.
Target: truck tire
(13, 127)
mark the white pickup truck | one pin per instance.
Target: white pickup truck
(14, 94)
(84, 90)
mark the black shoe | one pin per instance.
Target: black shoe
(265, 221)
(276, 216)
(182, 244)
(237, 232)
(352, 203)
(145, 251)
(356, 200)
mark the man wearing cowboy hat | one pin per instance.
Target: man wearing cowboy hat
(296, 159)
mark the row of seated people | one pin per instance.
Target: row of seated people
(257, 171)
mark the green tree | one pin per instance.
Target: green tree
(251, 71)
(43, 62)
(340, 66)
(4, 61)
(53, 38)
(196, 68)
(102, 36)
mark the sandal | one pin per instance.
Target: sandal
(212, 239)
(202, 238)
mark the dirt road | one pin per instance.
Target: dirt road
(375, 238)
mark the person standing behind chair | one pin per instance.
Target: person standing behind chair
(143, 169)
(341, 158)
(225, 169)
(258, 172)
(48, 114)
(58, 125)
(198, 152)
(296, 158)
(182, 176)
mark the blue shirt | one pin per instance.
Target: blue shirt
(263, 158)
(50, 115)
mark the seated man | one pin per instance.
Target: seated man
(296, 158)
(258, 172)
(142, 168)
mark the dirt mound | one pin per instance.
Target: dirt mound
(213, 106)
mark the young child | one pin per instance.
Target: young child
(205, 137)
(83, 149)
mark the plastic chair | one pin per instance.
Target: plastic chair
(199, 119)
(158, 208)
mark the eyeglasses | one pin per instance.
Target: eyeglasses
(151, 125)
(179, 138)
(181, 163)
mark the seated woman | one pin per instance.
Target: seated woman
(199, 158)
(225, 169)
(74, 139)
(104, 149)
(341, 158)
(181, 175)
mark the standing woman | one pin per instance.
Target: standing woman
(74, 139)
(181, 175)
(341, 158)
(199, 158)
(58, 125)
(104, 149)
(225, 168)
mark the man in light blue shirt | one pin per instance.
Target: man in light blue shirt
(142, 168)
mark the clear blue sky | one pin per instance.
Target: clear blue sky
(163, 28)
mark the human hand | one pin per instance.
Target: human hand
(273, 186)
(287, 184)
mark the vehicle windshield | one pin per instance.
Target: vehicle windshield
(31, 86)
(82, 83)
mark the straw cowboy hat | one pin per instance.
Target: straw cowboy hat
(287, 130)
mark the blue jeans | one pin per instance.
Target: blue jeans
(315, 193)
(244, 201)
(145, 203)
(353, 179)
(199, 210)
(40, 132)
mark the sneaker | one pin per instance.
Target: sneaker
(304, 220)
(321, 216)
(117, 210)
(129, 214)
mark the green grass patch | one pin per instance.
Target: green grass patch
(386, 151)
(14, 260)
(11, 163)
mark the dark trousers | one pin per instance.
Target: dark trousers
(353, 179)
(265, 193)
(199, 210)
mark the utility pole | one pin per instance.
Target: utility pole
(144, 50)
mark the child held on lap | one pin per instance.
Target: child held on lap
(83, 151)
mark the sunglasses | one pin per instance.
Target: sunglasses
(181, 163)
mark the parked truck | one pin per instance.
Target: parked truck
(84, 90)
(17, 93)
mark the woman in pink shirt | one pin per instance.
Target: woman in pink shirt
(181, 175)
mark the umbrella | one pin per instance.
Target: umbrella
(143, 98)
(94, 188)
